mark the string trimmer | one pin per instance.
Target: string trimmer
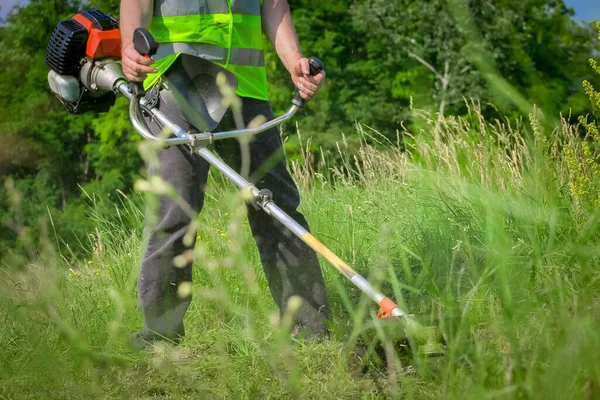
(84, 57)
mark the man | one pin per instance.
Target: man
(228, 32)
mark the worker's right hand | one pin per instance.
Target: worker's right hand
(135, 65)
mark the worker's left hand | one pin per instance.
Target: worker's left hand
(307, 85)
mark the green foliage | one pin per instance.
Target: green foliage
(534, 45)
(493, 231)
(481, 234)
(381, 57)
(589, 88)
(52, 153)
(584, 185)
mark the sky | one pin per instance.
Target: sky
(6, 5)
(588, 10)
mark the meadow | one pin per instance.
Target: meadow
(489, 229)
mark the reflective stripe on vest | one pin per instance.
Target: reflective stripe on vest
(164, 8)
(204, 50)
(227, 32)
(246, 7)
(250, 57)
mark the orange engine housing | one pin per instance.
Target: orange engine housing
(100, 42)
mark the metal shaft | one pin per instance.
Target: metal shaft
(273, 210)
(388, 306)
(113, 79)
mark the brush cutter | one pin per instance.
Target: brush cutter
(84, 57)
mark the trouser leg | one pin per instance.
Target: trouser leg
(290, 266)
(163, 306)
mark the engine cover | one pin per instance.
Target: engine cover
(90, 35)
(66, 47)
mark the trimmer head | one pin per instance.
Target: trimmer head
(426, 339)
(387, 341)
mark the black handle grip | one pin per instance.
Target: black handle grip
(144, 43)
(316, 66)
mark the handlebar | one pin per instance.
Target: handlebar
(145, 44)
(183, 137)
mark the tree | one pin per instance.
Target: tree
(380, 55)
(48, 153)
(533, 44)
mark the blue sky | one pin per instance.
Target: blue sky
(588, 10)
(6, 5)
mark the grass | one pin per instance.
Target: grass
(485, 229)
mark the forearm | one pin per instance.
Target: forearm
(134, 14)
(279, 28)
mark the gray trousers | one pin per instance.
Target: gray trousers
(290, 266)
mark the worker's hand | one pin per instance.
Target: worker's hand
(307, 84)
(135, 66)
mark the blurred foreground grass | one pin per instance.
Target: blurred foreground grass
(489, 231)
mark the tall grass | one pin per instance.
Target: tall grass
(487, 228)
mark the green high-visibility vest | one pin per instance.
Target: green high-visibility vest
(227, 32)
